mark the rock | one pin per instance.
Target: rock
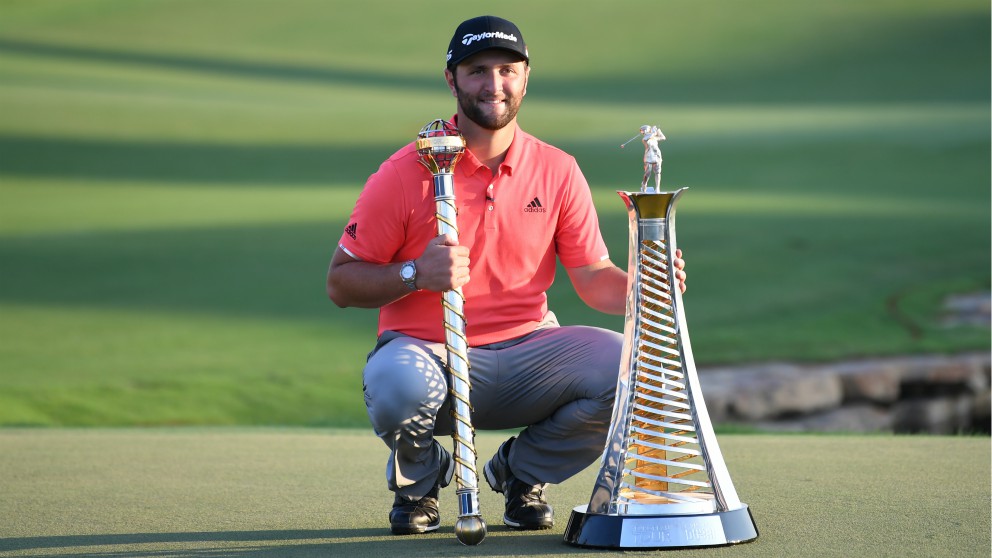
(945, 415)
(861, 418)
(970, 309)
(870, 381)
(939, 375)
(781, 390)
(931, 393)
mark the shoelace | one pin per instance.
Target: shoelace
(534, 493)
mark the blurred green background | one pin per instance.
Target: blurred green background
(174, 176)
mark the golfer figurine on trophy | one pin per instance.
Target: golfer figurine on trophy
(663, 482)
(650, 136)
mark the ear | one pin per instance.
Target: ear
(526, 79)
(449, 77)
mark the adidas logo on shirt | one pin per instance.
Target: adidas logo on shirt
(352, 231)
(535, 207)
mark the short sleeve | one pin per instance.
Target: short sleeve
(375, 231)
(578, 240)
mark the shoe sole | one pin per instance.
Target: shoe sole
(528, 527)
(413, 530)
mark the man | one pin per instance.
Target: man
(521, 203)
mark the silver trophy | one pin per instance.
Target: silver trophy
(663, 482)
(440, 146)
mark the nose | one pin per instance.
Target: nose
(493, 82)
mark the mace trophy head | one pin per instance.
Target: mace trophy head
(440, 146)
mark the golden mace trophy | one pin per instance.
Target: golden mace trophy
(440, 146)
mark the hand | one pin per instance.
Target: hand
(680, 267)
(443, 266)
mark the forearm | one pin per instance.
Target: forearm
(611, 295)
(364, 285)
(602, 287)
(442, 266)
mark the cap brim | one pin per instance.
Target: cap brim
(455, 62)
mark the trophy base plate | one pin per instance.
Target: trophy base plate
(660, 531)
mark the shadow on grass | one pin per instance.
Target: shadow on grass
(272, 271)
(184, 162)
(500, 541)
(219, 66)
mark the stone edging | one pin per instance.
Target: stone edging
(933, 393)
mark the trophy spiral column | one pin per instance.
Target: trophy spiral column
(663, 482)
(440, 146)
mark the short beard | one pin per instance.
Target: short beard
(472, 111)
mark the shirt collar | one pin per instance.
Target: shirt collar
(471, 164)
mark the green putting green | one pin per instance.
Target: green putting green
(316, 492)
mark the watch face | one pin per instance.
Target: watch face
(408, 271)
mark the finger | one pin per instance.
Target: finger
(446, 240)
(460, 280)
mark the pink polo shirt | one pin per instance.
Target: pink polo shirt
(537, 207)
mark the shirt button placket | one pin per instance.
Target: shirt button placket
(490, 206)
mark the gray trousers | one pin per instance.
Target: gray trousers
(557, 383)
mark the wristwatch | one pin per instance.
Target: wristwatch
(408, 273)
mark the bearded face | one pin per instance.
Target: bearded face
(489, 111)
(490, 87)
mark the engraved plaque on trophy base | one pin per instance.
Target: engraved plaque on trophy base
(659, 531)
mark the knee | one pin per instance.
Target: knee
(604, 372)
(401, 392)
(604, 348)
(608, 348)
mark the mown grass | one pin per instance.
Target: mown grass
(174, 177)
(278, 492)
